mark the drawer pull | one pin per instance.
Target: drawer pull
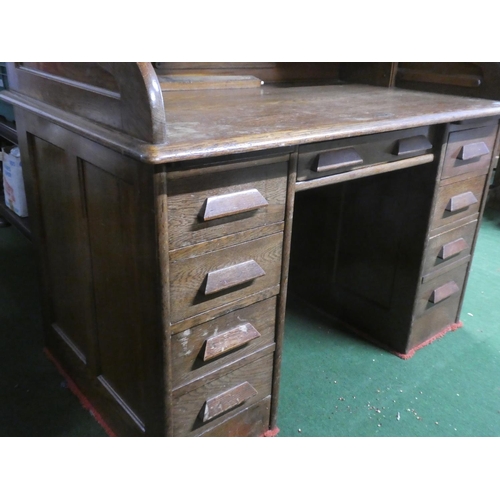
(443, 292)
(460, 201)
(227, 400)
(412, 145)
(452, 248)
(232, 276)
(227, 341)
(473, 150)
(332, 160)
(232, 204)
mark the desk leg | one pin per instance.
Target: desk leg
(280, 329)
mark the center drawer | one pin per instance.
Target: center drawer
(214, 279)
(334, 157)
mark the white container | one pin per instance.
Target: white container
(13, 182)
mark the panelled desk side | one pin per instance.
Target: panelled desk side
(165, 267)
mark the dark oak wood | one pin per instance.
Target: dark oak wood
(190, 277)
(190, 346)
(189, 408)
(252, 421)
(183, 216)
(478, 79)
(373, 150)
(458, 200)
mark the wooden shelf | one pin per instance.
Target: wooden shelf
(8, 130)
(21, 223)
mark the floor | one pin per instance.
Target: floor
(449, 388)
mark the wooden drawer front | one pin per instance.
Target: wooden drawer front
(210, 404)
(333, 157)
(212, 345)
(207, 206)
(469, 151)
(444, 291)
(431, 317)
(213, 279)
(458, 200)
(446, 248)
(251, 422)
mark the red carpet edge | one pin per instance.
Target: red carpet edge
(442, 333)
(83, 400)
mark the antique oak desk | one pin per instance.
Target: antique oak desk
(162, 198)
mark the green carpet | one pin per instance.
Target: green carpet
(334, 384)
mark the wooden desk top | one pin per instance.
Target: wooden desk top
(219, 122)
(207, 123)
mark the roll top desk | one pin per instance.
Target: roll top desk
(173, 206)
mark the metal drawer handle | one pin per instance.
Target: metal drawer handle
(412, 145)
(473, 150)
(229, 340)
(460, 201)
(452, 248)
(231, 204)
(340, 158)
(228, 277)
(227, 400)
(443, 292)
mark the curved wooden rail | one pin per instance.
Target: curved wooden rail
(125, 96)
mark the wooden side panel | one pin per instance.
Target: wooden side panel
(110, 204)
(66, 250)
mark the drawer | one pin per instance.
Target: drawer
(469, 151)
(218, 202)
(207, 406)
(449, 247)
(444, 291)
(433, 317)
(458, 200)
(333, 157)
(251, 422)
(214, 279)
(212, 345)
